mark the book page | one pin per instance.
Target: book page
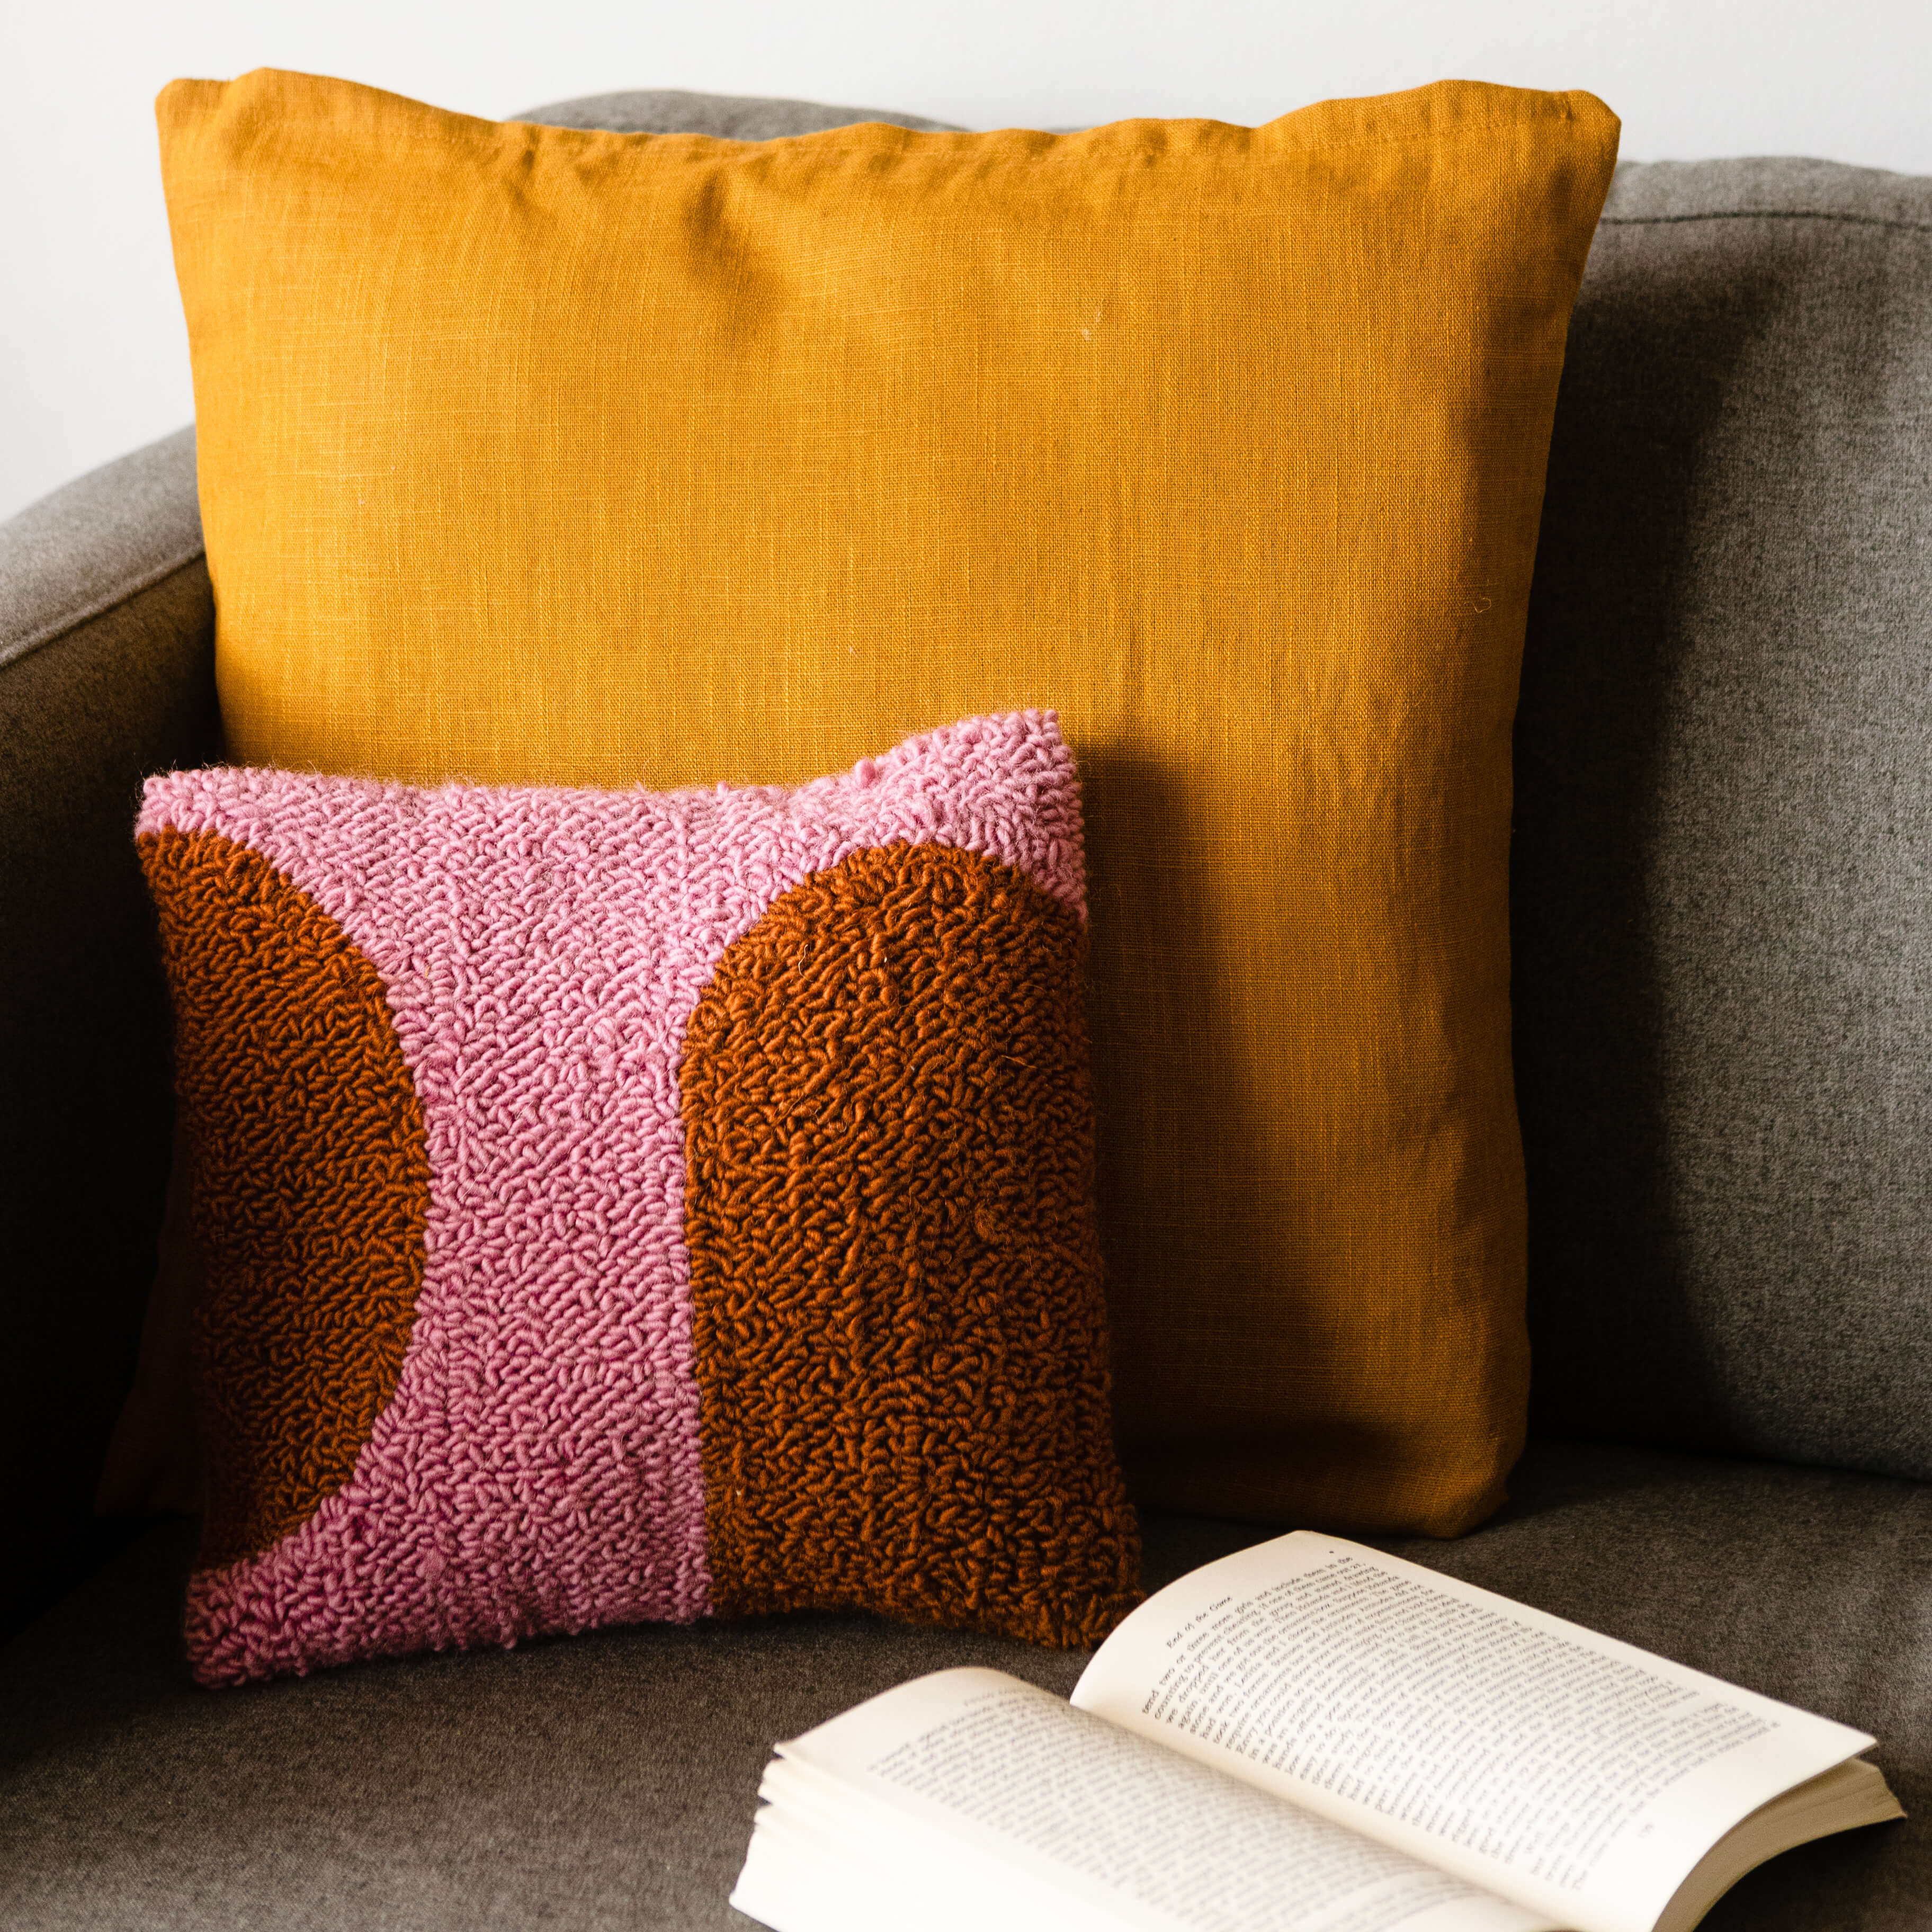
(1061, 1819)
(1579, 1775)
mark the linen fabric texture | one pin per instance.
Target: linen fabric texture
(552, 456)
(611, 1206)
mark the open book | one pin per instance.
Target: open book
(1308, 1736)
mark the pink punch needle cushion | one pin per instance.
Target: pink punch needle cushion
(611, 1206)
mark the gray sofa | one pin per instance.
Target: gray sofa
(1723, 947)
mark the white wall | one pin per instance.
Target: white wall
(93, 359)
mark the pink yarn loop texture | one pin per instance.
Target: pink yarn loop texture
(541, 951)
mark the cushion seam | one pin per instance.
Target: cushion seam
(1771, 214)
(1473, 127)
(123, 592)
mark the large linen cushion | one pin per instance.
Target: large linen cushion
(1722, 942)
(543, 455)
(611, 1206)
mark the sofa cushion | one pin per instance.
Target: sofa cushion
(609, 1780)
(1723, 831)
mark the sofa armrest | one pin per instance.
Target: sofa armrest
(106, 674)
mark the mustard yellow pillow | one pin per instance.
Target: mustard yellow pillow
(537, 455)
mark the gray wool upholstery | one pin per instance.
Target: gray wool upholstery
(1724, 848)
(107, 643)
(96, 543)
(731, 117)
(609, 1780)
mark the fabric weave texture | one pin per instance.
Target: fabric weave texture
(498, 1301)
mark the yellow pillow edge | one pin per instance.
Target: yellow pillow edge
(1438, 109)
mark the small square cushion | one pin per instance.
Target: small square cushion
(545, 455)
(613, 1206)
